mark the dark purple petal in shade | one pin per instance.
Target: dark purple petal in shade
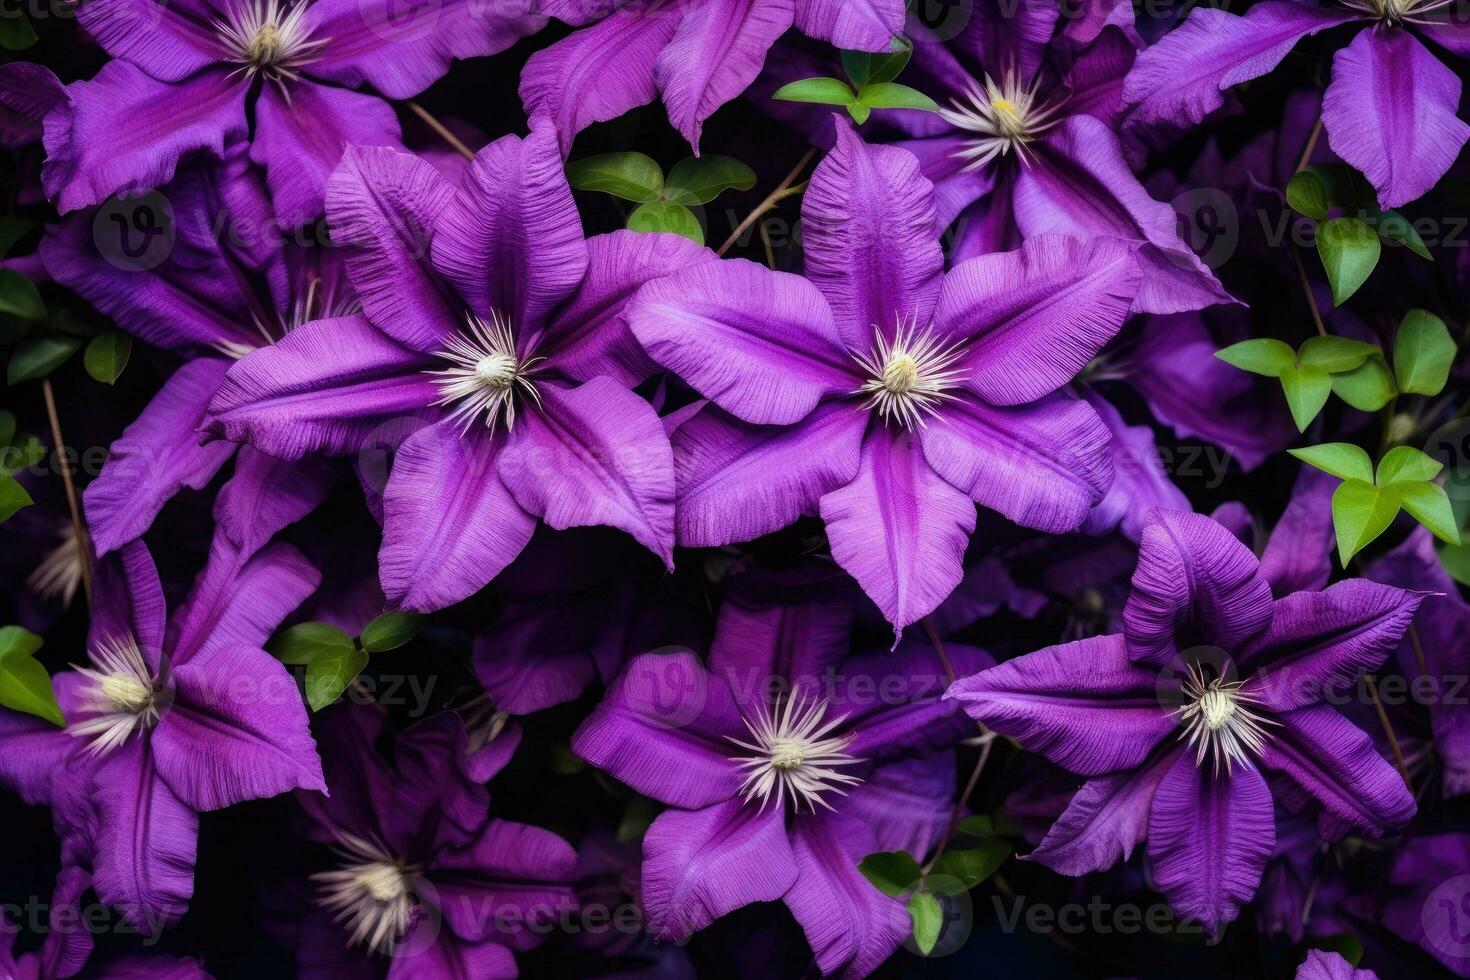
(1106, 819)
(862, 25)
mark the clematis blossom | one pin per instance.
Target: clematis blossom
(200, 75)
(492, 324)
(1390, 108)
(1211, 702)
(881, 392)
(697, 54)
(783, 767)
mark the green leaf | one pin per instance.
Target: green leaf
(305, 642)
(978, 825)
(928, 919)
(1306, 390)
(863, 68)
(1428, 504)
(699, 180)
(12, 230)
(1405, 464)
(24, 683)
(22, 454)
(1368, 387)
(390, 631)
(1394, 227)
(16, 32)
(7, 427)
(1360, 513)
(328, 675)
(106, 356)
(1346, 188)
(668, 217)
(1423, 353)
(1306, 193)
(972, 866)
(859, 112)
(1335, 354)
(1349, 250)
(891, 872)
(891, 95)
(630, 176)
(1456, 561)
(823, 91)
(1342, 459)
(38, 357)
(13, 497)
(638, 815)
(1344, 944)
(1261, 356)
(18, 296)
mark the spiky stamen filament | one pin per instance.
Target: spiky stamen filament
(1218, 719)
(1395, 13)
(262, 37)
(796, 755)
(1002, 116)
(486, 374)
(59, 574)
(909, 375)
(121, 695)
(372, 893)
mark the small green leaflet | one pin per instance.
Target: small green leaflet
(332, 660)
(928, 919)
(891, 872)
(971, 866)
(19, 298)
(1423, 352)
(390, 631)
(870, 85)
(1356, 371)
(13, 497)
(38, 357)
(669, 217)
(1349, 249)
(106, 356)
(663, 204)
(24, 683)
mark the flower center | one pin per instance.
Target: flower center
(1395, 12)
(908, 376)
(371, 893)
(1218, 720)
(485, 373)
(58, 576)
(1002, 116)
(260, 37)
(795, 755)
(121, 695)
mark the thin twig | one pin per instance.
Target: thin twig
(959, 808)
(1301, 272)
(440, 128)
(938, 645)
(772, 199)
(1301, 163)
(1393, 742)
(79, 529)
(1418, 650)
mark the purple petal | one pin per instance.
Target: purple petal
(599, 72)
(955, 186)
(1035, 317)
(1105, 821)
(35, 751)
(31, 91)
(906, 802)
(590, 335)
(511, 239)
(1390, 112)
(849, 924)
(1335, 761)
(594, 455)
(156, 456)
(857, 25)
(700, 865)
(89, 157)
(450, 523)
(382, 204)
(240, 602)
(509, 866)
(1195, 584)
(869, 238)
(265, 495)
(127, 599)
(716, 52)
(1083, 705)
(1140, 482)
(899, 528)
(329, 386)
(664, 728)
(1043, 465)
(1321, 964)
(761, 344)
(300, 141)
(1298, 557)
(169, 41)
(737, 481)
(893, 701)
(1209, 839)
(790, 636)
(1009, 37)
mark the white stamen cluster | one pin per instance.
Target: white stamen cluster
(909, 375)
(59, 574)
(371, 894)
(1002, 116)
(795, 755)
(260, 36)
(486, 374)
(121, 696)
(1217, 720)
(1394, 12)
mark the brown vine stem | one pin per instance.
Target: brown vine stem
(1301, 163)
(1418, 650)
(1393, 742)
(1301, 272)
(79, 529)
(783, 190)
(439, 128)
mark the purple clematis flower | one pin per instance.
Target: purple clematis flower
(173, 716)
(185, 72)
(1177, 721)
(883, 393)
(784, 763)
(422, 875)
(1427, 895)
(698, 54)
(1322, 964)
(1389, 110)
(490, 317)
